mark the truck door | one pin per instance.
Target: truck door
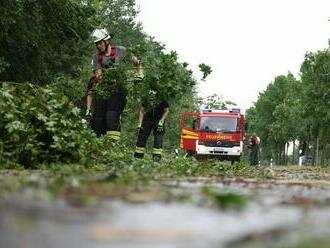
(189, 131)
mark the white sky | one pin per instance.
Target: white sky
(246, 42)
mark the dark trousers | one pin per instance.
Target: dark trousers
(147, 127)
(106, 118)
(254, 155)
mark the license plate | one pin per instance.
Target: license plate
(216, 149)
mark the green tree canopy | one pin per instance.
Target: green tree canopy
(40, 39)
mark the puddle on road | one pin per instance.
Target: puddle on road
(143, 225)
(158, 224)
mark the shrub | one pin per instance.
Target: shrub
(38, 125)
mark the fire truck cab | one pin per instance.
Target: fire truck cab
(213, 133)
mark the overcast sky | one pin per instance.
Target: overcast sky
(246, 42)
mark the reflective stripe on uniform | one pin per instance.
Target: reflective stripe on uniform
(139, 77)
(139, 150)
(157, 151)
(115, 135)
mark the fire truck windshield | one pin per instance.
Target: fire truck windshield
(219, 124)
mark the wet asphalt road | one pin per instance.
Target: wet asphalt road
(33, 219)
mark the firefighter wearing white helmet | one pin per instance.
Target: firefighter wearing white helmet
(105, 119)
(100, 34)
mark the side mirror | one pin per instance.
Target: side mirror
(194, 123)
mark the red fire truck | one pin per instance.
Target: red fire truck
(213, 133)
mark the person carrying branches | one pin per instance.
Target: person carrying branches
(153, 114)
(106, 90)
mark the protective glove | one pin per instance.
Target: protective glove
(88, 113)
(139, 128)
(160, 126)
(138, 78)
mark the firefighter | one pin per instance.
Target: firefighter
(108, 109)
(254, 149)
(152, 117)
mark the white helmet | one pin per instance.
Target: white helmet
(152, 93)
(100, 34)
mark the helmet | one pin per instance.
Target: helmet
(152, 96)
(152, 93)
(100, 34)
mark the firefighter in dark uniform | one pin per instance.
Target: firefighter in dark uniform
(254, 149)
(108, 109)
(151, 118)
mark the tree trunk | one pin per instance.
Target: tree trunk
(284, 154)
(293, 152)
(314, 152)
(287, 154)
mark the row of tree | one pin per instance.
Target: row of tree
(297, 112)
